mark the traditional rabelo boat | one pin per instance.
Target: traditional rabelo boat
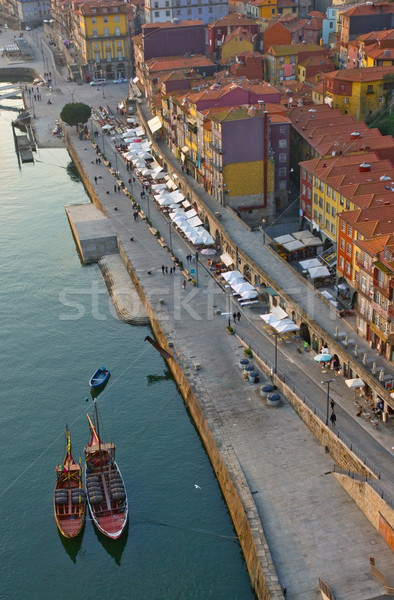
(69, 497)
(104, 485)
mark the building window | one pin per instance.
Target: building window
(105, 19)
(106, 32)
(341, 262)
(157, 14)
(328, 192)
(94, 20)
(327, 208)
(94, 33)
(333, 211)
(282, 129)
(348, 249)
(349, 230)
(315, 198)
(347, 268)
(342, 244)
(282, 171)
(282, 185)
(333, 228)
(341, 202)
(283, 143)
(116, 18)
(370, 89)
(282, 158)
(117, 30)
(168, 13)
(327, 227)
(320, 202)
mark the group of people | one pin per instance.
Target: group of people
(236, 316)
(165, 270)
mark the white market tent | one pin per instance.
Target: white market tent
(284, 239)
(310, 263)
(194, 221)
(293, 246)
(229, 275)
(316, 272)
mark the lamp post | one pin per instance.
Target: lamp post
(276, 352)
(116, 162)
(263, 222)
(229, 307)
(169, 227)
(328, 381)
(196, 268)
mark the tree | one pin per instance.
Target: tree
(75, 113)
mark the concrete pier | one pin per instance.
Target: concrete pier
(92, 232)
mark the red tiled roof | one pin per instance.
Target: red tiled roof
(167, 63)
(375, 245)
(239, 31)
(232, 19)
(360, 75)
(367, 9)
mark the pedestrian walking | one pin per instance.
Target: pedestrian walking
(115, 188)
(129, 181)
(234, 316)
(238, 316)
(118, 188)
(170, 270)
(163, 269)
(133, 179)
(332, 404)
(333, 418)
(166, 270)
(95, 180)
(99, 159)
(184, 284)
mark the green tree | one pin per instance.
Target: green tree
(75, 113)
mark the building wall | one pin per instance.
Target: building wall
(236, 45)
(159, 11)
(242, 140)
(173, 41)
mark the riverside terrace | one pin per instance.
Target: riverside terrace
(258, 443)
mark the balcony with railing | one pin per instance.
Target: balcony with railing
(383, 287)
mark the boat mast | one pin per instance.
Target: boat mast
(98, 432)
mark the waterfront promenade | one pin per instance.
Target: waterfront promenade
(312, 527)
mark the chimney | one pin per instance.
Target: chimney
(355, 134)
(364, 167)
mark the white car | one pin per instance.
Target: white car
(101, 81)
(120, 80)
(28, 28)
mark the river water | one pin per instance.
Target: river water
(57, 327)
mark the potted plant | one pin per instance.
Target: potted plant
(230, 330)
(248, 352)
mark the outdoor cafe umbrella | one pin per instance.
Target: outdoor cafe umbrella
(249, 294)
(322, 357)
(243, 286)
(355, 384)
(208, 251)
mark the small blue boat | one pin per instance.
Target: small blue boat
(100, 377)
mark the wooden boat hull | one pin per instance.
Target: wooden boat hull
(70, 515)
(69, 502)
(99, 377)
(107, 499)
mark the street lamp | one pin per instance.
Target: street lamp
(263, 222)
(116, 161)
(328, 381)
(276, 352)
(196, 255)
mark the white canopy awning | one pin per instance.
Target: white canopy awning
(171, 184)
(186, 203)
(316, 272)
(226, 259)
(194, 221)
(310, 263)
(284, 239)
(293, 246)
(279, 313)
(154, 124)
(229, 275)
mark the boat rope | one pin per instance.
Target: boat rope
(231, 538)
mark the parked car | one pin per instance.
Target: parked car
(28, 28)
(121, 80)
(100, 81)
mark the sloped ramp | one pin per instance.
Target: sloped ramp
(124, 296)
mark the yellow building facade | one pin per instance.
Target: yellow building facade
(240, 42)
(103, 39)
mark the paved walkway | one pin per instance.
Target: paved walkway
(312, 527)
